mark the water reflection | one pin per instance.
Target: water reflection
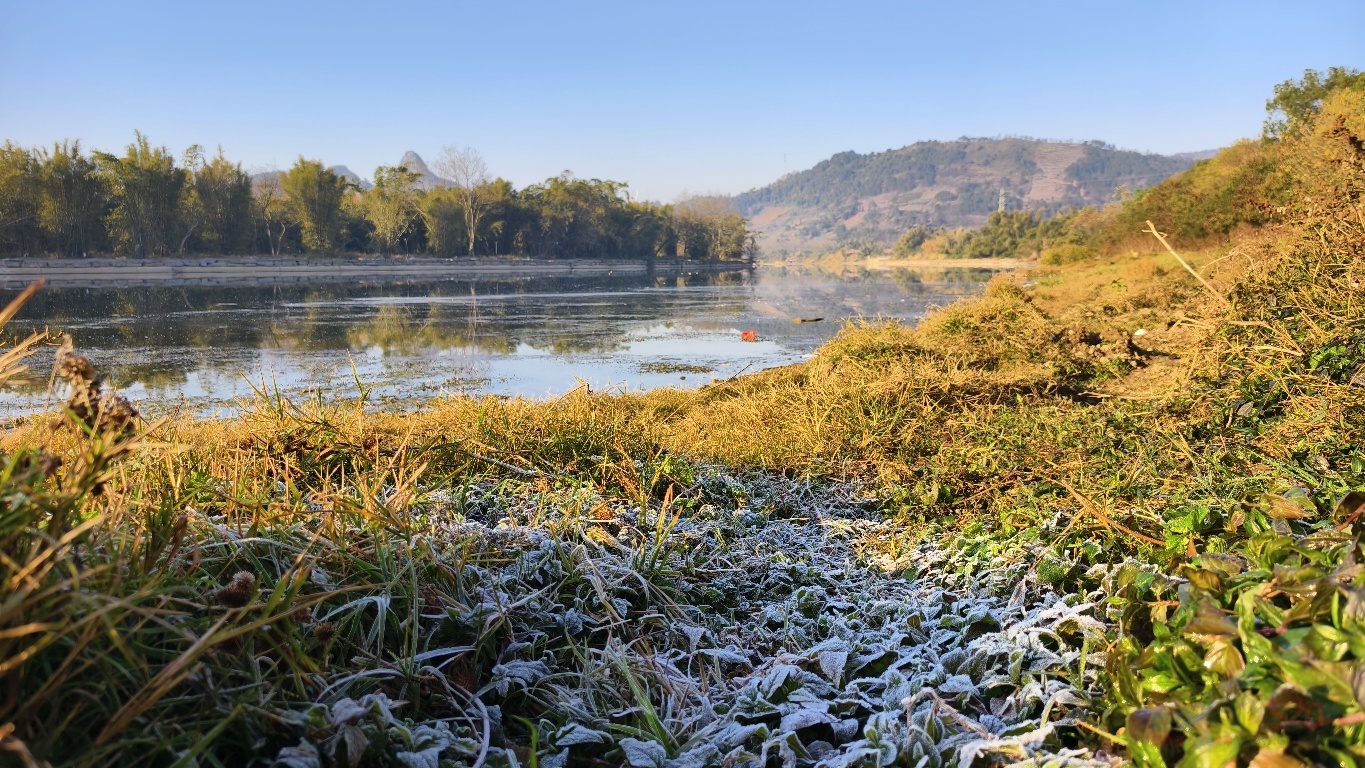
(411, 340)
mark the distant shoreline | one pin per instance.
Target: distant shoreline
(117, 273)
(892, 262)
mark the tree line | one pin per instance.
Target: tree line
(146, 202)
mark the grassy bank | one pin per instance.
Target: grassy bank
(1105, 510)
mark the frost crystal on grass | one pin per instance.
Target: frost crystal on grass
(771, 623)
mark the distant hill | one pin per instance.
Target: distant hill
(877, 196)
(427, 180)
(1196, 156)
(340, 170)
(351, 176)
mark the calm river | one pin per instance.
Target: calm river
(206, 347)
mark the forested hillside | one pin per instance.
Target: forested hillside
(943, 184)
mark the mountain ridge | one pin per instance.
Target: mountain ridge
(426, 179)
(351, 176)
(877, 196)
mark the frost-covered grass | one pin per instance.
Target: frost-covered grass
(758, 616)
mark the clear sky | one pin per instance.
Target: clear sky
(669, 96)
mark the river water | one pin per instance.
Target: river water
(410, 341)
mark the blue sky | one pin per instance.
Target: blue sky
(697, 96)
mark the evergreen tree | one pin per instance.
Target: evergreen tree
(219, 205)
(444, 221)
(147, 188)
(315, 195)
(20, 231)
(75, 200)
(390, 206)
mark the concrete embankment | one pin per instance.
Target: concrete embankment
(116, 273)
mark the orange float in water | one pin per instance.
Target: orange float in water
(749, 336)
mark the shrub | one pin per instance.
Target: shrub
(1238, 186)
(1066, 253)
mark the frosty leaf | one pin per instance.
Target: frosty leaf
(727, 655)
(573, 621)
(643, 754)
(524, 673)
(991, 723)
(305, 755)
(355, 742)
(777, 681)
(818, 611)
(316, 716)
(426, 736)
(953, 659)
(502, 758)
(574, 733)
(1043, 661)
(752, 704)
(694, 636)
(427, 758)
(845, 730)
(735, 734)
(704, 756)
(347, 711)
(378, 704)
(975, 667)
(832, 664)
(804, 718)
(957, 684)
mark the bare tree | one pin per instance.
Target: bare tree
(465, 168)
(272, 208)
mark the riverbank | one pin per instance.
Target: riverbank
(895, 262)
(15, 274)
(845, 264)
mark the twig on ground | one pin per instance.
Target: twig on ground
(948, 709)
(1151, 228)
(1090, 507)
(495, 462)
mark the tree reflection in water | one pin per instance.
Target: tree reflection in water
(415, 339)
